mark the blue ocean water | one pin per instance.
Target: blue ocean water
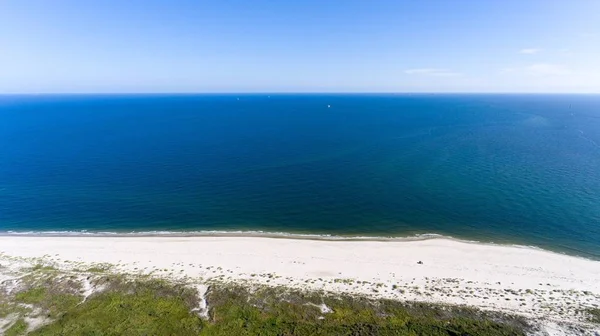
(521, 169)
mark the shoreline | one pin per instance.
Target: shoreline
(288, 235)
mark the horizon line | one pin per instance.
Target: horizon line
(293, 93)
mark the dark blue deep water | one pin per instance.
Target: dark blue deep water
(521, 169)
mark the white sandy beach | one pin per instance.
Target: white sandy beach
(520, 280)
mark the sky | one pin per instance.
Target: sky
(135, 46)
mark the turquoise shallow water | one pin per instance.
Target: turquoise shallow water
(521, 169)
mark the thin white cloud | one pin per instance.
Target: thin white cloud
(530, 51)
(432, 72)
(539, 69)
(565, 52)
(547, 69)
(509, 70)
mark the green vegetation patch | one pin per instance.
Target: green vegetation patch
(235, 311)
(594, 315)
(43, 268)
(144, 312)
(18, 328)
(99, 268)
(159, 307)
(6, 309)
(12, 308)
(32, 296)
(55, 303)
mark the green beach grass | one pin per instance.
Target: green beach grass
(147, 306)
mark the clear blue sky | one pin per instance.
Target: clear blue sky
(299, 46)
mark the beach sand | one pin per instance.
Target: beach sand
(520, 280)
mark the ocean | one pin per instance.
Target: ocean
(508, 169)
